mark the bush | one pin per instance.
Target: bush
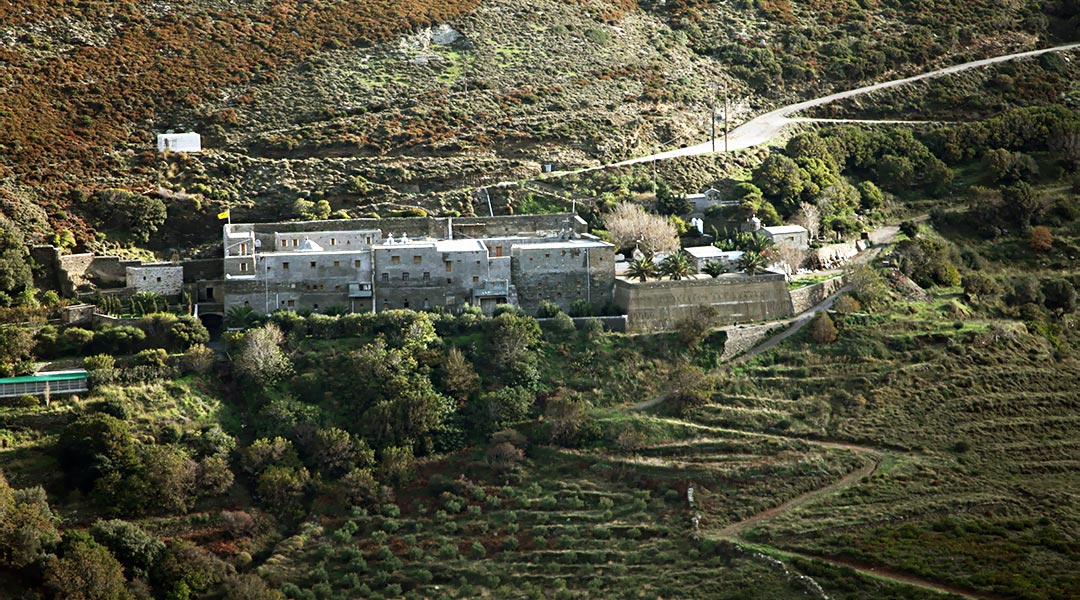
(547, 310)
(152, 357)
(822, 329)
(99, 362)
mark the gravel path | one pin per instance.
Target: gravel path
(766, 127)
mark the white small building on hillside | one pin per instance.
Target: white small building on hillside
(702, 255)
(179, 142)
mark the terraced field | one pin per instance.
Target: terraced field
(580, 524)
(978, 482)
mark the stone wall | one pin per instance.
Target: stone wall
(73, 272)
(803, 299)
(101, 271)
(743, 338)
(166, 279)
(660, 305)
(563, 273)
(48, 276)
(202, 270)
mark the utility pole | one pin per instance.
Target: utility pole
(712, 118)
(726, 117)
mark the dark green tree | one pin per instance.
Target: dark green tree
(137, 550)
(670, 201)
(86, 570)
(94, 446)
(15, 273)
(27, 525)
(141, 215)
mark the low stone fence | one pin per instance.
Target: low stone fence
(805, 298)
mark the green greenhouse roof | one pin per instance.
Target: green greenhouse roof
(43, 377)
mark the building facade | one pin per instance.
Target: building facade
(419, 264)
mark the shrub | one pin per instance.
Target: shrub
(1041, 239)
(99, 362)
(152, 357)
(822, 329)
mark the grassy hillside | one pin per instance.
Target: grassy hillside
(358, 104)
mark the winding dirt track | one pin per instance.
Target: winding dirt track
(766, 127)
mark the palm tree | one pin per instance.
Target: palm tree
(242, 317)
(757, 243)
(677, 266)
(714, 269)
(752, 262)
(641, 268)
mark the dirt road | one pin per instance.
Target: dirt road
(766, 127)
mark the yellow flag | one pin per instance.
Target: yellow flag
(223, 215)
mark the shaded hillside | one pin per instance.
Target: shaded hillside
(81, 82)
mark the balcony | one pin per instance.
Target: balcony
(488, 289)
(359, 290)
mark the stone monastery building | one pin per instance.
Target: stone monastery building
(418, 263)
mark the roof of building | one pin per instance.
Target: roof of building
(704, 251)
(782, 229)
(462, 245)
(566, 244)
(47, 376)
(309, 246)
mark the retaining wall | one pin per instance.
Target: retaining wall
(805, 298)
(660, 305)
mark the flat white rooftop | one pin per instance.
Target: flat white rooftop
(782, 229)
(566, 244)
(704, 251)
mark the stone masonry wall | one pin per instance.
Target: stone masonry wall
(563, 276)
(804, 299)
(167, 280)
(660, 305)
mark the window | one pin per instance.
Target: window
(243, 248)
(405, 304)
(291, 304)
(404, 276)
(546, 255)
(312, 264)
(475, 279)
(315, 307)
(333, 242)
(427, 276)
(386, 278)
(417, 260)
(284, 243)
(356, 263)
(395, 259)
(498, 250)
(369, 240)
(243, 269)
(295, 242)
(285, 266)
(449, 267)
(337, 263)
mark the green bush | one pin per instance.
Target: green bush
(99, 362)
